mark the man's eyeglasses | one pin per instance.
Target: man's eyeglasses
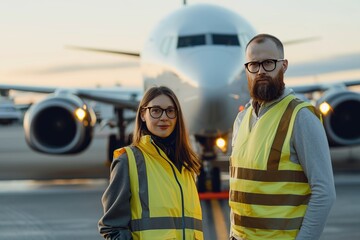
(157, 112)
(268, 65)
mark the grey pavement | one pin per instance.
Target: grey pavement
(47, 197)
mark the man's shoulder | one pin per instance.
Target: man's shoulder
(308, 110)
(242, 112)
(245, 108)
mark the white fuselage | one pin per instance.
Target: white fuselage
(199, 52)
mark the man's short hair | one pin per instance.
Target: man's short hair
(262, 37)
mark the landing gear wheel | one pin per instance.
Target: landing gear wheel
(113, 144)
(201, 181)
(215, 179)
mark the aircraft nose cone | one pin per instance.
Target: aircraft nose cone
(212, 68)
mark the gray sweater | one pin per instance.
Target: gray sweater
(309, 147)
(114, 224)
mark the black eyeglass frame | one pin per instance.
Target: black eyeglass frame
(262, 64)
(162, 111)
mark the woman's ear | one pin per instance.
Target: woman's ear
(142, 116)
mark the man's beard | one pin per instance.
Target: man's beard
(266, 88)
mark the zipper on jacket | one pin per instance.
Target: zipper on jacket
(181, 190)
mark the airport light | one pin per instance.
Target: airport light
(80, 114)
(324, 108)
(221, 143)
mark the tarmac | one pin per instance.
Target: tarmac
(59, 197)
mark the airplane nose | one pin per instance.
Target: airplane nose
(212, 68)
(214, 71)
(211, 111)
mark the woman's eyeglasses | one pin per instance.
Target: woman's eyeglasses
(157, 112)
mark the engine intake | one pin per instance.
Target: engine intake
(342, 122)
(51, 126)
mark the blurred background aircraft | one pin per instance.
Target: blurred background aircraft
(8, 112)
(73, 75)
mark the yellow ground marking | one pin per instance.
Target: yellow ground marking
(219, 221)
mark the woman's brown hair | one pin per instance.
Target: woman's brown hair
(183, 151)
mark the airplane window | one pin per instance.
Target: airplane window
(165, 45)
(225, 39)
(191, 40)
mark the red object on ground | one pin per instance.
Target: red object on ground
(213, 195)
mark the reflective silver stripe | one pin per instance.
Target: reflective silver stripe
(269, 199)
(268, 223)
(148, 223)
(165, 223)
(143, 184)
(268, 176)
(282, 129)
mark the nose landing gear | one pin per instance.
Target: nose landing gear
(209, 179)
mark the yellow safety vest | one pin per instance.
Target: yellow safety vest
(268, 192)
(164, 202)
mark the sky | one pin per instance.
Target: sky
(34, 34)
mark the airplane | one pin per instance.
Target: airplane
(199, 52)
(8, 112)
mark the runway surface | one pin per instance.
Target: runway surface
(57, 198)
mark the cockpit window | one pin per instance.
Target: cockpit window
(208, 39)
(191, 40)
(225, 39)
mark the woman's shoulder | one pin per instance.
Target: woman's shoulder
(118, 153)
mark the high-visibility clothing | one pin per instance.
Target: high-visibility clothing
(164, 201)
(268, 192)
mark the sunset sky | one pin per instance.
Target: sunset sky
(34, 34)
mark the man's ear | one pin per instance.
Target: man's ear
(285, 65)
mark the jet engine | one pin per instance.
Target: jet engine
(60, 124)
(341, 116)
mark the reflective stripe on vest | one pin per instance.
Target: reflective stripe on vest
(263, 188)
(165, 223)
(142, 178)
(139, 182)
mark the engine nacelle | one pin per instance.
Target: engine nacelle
(52, 125)
(342, 121)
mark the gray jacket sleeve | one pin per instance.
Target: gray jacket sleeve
(114, 224)
(310, 146)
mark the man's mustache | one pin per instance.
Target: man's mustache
(263, 78)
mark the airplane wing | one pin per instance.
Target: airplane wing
(334, 64)
(62, 122)
(100, 50)
(309, 88)
(118, 96)
(24, 88)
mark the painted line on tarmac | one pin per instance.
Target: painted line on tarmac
(219, 220)
(52, 185)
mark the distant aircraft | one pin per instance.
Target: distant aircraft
(199, 52)
(8, 112)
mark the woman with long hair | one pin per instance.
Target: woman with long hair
(152, 192)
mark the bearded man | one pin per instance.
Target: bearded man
(281, 178)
